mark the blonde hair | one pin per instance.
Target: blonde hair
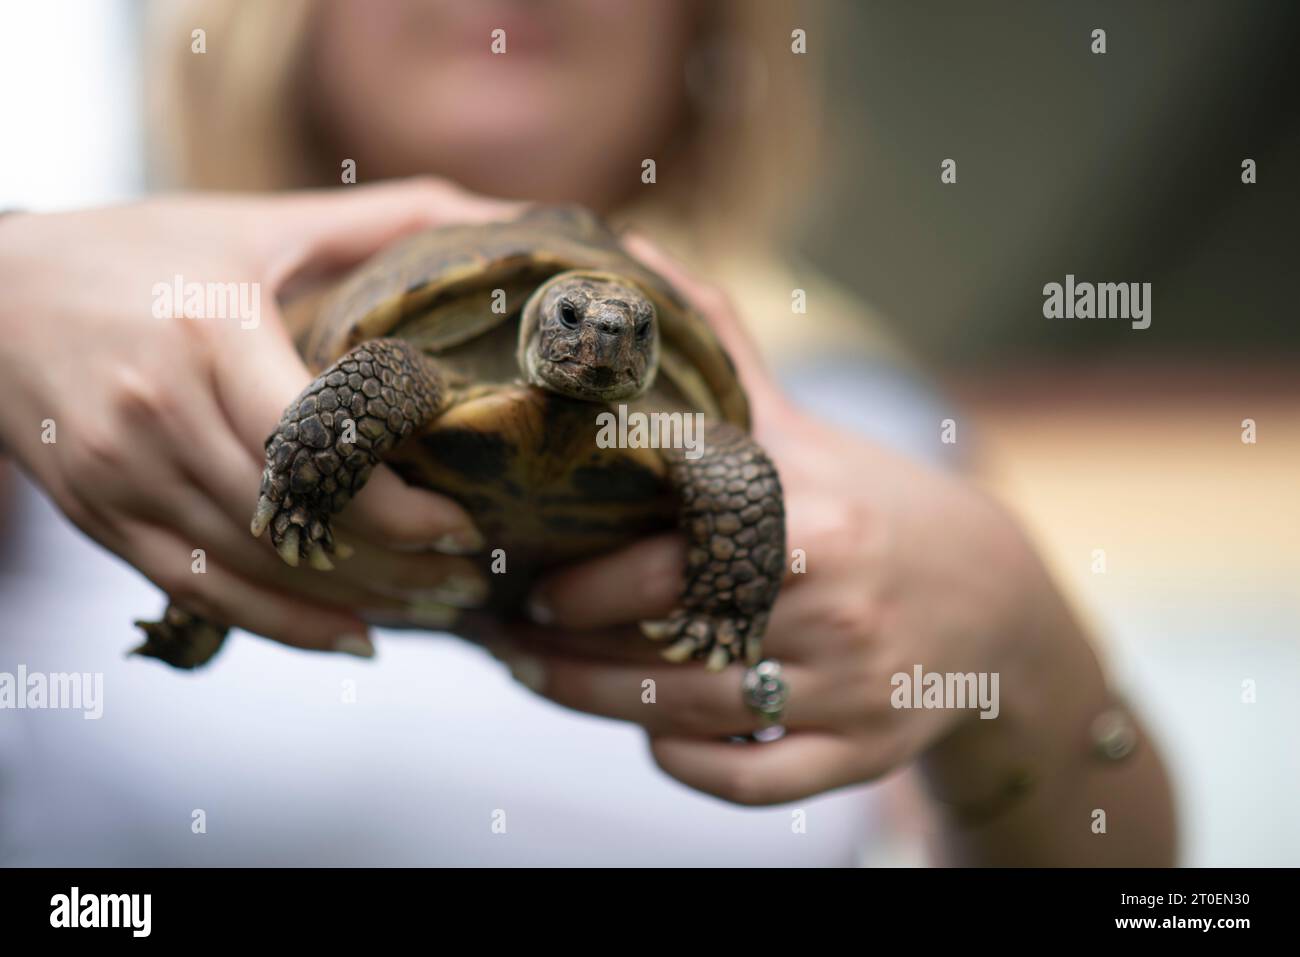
(731, 182)
(240, 120)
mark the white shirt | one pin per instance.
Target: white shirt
(429, 755)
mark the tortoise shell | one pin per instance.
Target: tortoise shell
(523, 461)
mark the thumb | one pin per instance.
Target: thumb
(258, 370)
(768, 401)
(258, 373)
(330, 228)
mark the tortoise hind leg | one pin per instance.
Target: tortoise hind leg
(181, 639)
(333, 434)
(734, 519)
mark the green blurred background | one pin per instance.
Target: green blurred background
(1117, 167)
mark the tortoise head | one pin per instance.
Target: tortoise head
(589, 335)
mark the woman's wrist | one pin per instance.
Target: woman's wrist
(1051, 690)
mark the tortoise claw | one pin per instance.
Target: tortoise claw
(658, 630)
(288, 547)
(679, 651)
(266, 510)
(718, 639)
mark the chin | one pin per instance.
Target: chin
(492, 104)
(588, 393)
(575, 387)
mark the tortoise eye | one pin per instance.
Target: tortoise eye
(568, 313)
(643, 330)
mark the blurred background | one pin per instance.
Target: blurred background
(1120, 167)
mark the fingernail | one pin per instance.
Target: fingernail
(462, 591)
(431, 614)
(539, 609)
(358, 645)
(463, 541)
(528, 671)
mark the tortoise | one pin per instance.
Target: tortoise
(476, 361)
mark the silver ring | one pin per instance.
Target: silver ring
(765, 692)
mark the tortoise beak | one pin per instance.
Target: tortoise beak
(601, 377)
(609, 353)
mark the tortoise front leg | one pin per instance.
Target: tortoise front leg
(332, 436)
(734, 519)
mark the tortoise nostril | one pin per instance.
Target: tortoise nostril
(612, 325)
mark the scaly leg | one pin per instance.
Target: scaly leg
(333, 435)
(734, 519)
(315, 463)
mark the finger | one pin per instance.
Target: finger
(668, 699)
(639, 582)
(722, 318)
(224, 597)
(389, 511)
(331, 228)
(220, 464)
(620, 645)
(709, 299)
(806, 627)
(196, 519)
(372, 578)
(258, 373)
(797, 766)
(199, 436)
(341, 226)
(415, 578)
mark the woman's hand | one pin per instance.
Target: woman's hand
(146, 428)
(903, 567)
